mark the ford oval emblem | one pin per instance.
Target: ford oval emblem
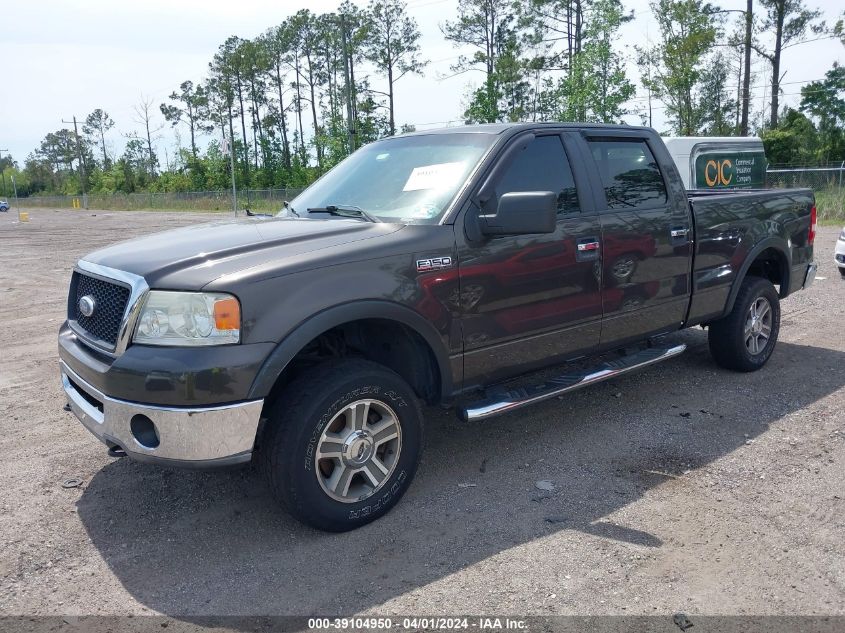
(87, 305)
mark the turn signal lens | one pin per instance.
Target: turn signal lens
(227, 314)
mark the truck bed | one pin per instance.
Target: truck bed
(731, 227)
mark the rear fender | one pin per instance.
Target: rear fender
(779, 245)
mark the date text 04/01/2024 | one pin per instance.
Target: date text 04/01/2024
(417, 623)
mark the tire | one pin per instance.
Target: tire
(842, 272)
(739, 341)
(299, 430)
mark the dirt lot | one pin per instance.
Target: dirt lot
(681, 488)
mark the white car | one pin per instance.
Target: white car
(4, 206)
(839, 254)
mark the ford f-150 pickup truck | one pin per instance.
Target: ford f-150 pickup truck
(433, 267)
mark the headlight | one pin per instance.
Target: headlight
(842, 235)
(188, 318)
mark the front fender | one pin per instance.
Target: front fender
(305, 332)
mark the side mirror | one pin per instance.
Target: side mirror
(522, 213)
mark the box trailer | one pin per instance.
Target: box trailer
(719, 162)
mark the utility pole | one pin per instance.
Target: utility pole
(230, 149)
(81, 162)
(17, 206)
(746, 79)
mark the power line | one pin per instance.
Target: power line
(766, 85)
(411, 5)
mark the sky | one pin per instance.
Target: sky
(66, 58)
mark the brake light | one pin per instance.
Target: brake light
(811, 237)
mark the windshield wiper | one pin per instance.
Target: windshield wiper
(345, 211)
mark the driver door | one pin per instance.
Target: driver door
(533, 300)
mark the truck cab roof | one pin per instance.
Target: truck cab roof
(503, 128)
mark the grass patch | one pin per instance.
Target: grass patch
(830, 206)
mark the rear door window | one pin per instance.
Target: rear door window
(629, 174)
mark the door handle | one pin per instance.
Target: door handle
(679, 232)
(586, 247)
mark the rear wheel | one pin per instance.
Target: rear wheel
(842, 272)
(342, 444)
(745, 338)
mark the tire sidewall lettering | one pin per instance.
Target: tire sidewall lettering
(382, 500)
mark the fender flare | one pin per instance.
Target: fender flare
(776, 243)
(323, 321)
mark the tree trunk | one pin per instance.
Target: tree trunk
(192, 124)
(578, 25)
(390, 98)
(243, 127)
(347, 73)
(299, 113)
(230, 164)
(570, 43)
(746, 78)
(254, 139)
(283, 120)
(256, 117)
(149, 144)
(354, 98)
(103, 143)
(773, 119)
(317, 143)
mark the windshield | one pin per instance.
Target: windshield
(410, 179)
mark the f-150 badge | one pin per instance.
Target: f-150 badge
(433, 263)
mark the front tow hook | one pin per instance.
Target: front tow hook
(116, 451)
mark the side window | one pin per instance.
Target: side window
(629, 173)
(543, 166)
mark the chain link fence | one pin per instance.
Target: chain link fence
(831, 176)
(255, 199)
(826, 181)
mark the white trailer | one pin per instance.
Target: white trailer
(719, 162)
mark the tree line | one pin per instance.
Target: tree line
(296, 99)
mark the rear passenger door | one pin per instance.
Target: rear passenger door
(646, 234)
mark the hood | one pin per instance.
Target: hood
(191, 257)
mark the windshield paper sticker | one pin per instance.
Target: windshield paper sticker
(438, 176)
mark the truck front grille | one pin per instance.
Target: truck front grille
(110, 301)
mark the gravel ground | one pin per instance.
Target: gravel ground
(681, 488)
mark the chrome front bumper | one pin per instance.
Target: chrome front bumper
(193, 437)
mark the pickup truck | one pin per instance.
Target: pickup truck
(429, 268)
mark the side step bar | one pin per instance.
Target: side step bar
(523, 396)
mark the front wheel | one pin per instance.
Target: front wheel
(745, 338)
(342, 444)
(842, 272)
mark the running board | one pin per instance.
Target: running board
(523, 396)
